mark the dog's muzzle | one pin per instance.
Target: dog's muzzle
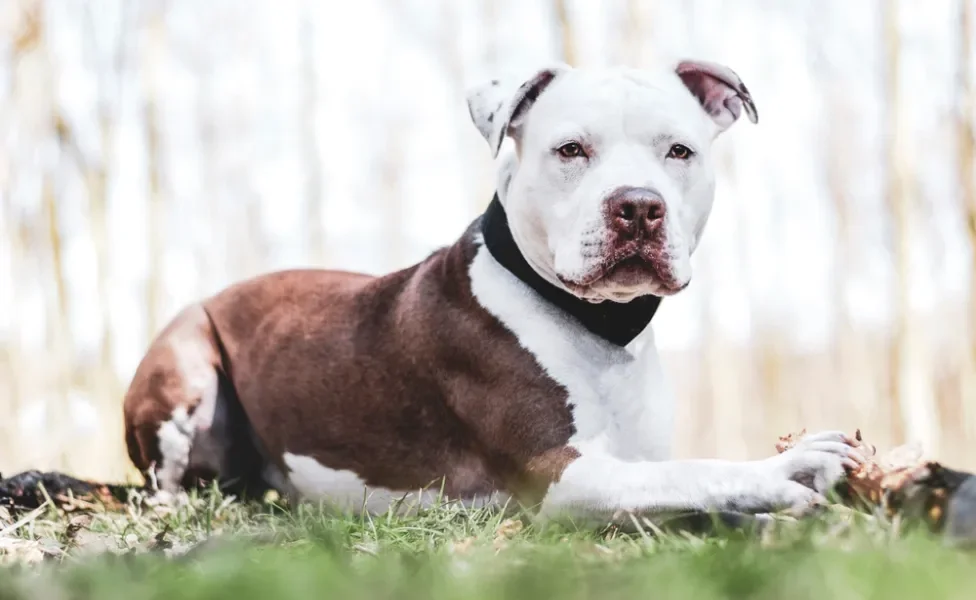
(635, 230)
(635, 216)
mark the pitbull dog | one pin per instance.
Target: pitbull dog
(518, 362)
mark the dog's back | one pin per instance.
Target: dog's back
(275, 377)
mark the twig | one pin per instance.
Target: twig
(28, 518)
(47, 497)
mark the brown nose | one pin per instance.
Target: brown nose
(635, 212)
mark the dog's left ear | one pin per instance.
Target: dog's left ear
(497, 111)
(719, 91)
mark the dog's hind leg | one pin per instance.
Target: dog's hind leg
(173, 403)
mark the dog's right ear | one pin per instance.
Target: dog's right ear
(497, 111)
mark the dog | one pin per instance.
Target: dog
(518, 363)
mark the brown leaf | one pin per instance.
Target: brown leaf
(789, 440)
(508, 528)
(463, 546)
(878, 476)
(17, 550)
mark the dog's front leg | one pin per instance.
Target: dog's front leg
(596, 487)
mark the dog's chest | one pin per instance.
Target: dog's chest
(621, 407)
(618, 396)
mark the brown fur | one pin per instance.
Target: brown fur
(402, 379)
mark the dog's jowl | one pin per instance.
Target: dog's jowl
(519, 362)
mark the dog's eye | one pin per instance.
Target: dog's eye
(680, 152)
(571, 150)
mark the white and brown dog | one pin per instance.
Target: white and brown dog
(517, 362)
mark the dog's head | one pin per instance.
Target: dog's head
(612, 179)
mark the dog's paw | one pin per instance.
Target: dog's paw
(816, 461)
(798, 479)
(761, 490)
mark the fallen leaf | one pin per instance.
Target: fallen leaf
(463, 546)
(508, 528)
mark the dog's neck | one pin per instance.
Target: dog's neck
(618, 323)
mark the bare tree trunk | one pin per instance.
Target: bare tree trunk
(568, 39)
(31, 38)
(478, 195)
(212, 253)
(11, 369)
(58, 319)
(770, 351)
(96, 181)
(911, 392)
(898, 205)
(635, 33)
(837, 182)
(966, 132)
(489, 24)
(311, 150)
(157, 208)
(486, 173)
(94, 172)
(390, 172)
(19, 250)
(747, 392)
(57, 256)
(723, 401)
(259, 248)
(856, 383)
(850, 372)
(966, 129)
(108, 454)
(705, 425)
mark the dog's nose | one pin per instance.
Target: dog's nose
(634, 212)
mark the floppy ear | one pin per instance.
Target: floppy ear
(719, 91)
(497, 111)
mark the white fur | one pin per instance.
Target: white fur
(622, 407)
(628, 120)
(622, 410)
(200, 440)
(345, 490)
(621, 403)
(175, 440)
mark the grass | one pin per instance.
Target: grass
(213, 547)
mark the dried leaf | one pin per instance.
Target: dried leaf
(508, 528)
(16, 550)
(463, 546)
(874, 480)
(789, 440)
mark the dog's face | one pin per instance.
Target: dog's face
(612, 178)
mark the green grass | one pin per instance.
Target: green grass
(216, 548)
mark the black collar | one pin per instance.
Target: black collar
(615, 322)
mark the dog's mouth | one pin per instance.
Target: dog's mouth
(627, 276)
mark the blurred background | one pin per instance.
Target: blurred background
(154, 151)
